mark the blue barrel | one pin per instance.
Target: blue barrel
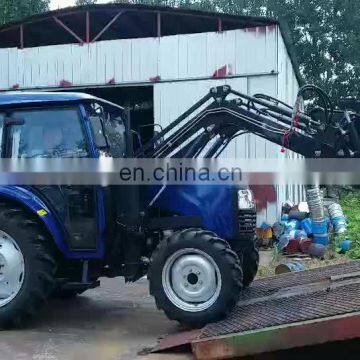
(306, 225)
(319, 227)
(321, 239)
(346, 245)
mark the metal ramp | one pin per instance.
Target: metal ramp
(282, 312)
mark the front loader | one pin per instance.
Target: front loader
(195, 242)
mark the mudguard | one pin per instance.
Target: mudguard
(26, 198)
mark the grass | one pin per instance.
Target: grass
(351, 206)
(331, 258)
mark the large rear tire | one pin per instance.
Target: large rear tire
(27, 265)
(195, 277)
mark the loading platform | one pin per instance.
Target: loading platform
(282, 312)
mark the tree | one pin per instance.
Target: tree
(85, 2)
(13, 10)
(325, 33)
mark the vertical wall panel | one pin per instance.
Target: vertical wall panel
(144, 59)
(169, 57)
(4, 68)
(197, 55)
(127, 60)
(13, 67)
(256, 50)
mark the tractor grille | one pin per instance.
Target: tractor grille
(247, 221)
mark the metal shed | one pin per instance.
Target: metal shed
(160, 59)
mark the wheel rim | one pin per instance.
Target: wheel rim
(191, 280)
(12, 269)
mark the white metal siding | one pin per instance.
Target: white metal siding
(179, 57)
(256, 58)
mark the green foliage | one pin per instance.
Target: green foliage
(13, 10)
(351, 207)
(326, 34)
(85, 2)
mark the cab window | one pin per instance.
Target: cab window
(108, 129)
(49, 133)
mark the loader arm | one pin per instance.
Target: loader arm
(213, 122)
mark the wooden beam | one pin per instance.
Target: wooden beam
(21, 36)
(107, 26)
(220, 25)
(71, 32)
(87, 27)
(158, 21)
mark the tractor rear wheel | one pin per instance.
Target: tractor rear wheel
(195, 277)
(27, 265)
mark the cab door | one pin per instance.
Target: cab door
(61, 132)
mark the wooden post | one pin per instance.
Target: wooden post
(21, 36)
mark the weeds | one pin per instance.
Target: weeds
(351, 207)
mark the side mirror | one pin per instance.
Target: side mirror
(98, 132)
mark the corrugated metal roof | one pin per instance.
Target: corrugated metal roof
(136, 21)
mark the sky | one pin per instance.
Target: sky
(57, 4)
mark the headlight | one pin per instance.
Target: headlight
(245, 199)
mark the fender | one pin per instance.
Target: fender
(32, 202)
(25, 197)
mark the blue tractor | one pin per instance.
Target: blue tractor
(195, 243)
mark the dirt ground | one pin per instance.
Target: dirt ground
(115, 321)
(269, 260)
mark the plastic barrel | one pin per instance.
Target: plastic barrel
(319, 227)
(321, 239)
(306, 225)
(317, 250)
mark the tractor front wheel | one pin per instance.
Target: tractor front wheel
(249, 256)
(195, 277)
(27, 265)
